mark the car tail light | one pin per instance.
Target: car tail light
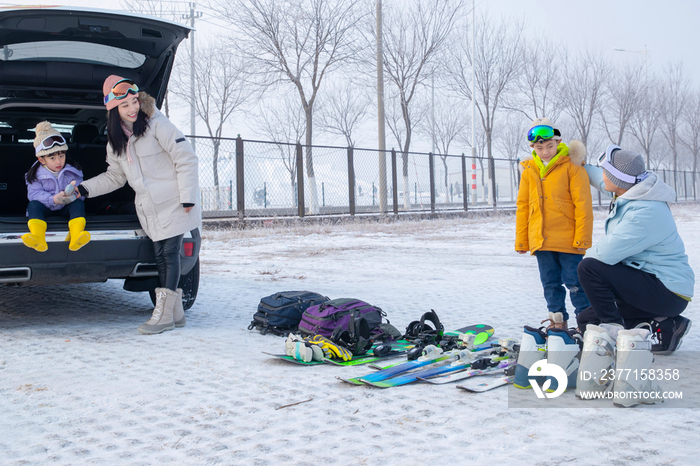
(189, 249)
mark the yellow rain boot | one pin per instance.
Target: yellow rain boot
(78, 236)
(36, 238)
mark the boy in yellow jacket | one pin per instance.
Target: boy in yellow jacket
(554, 219)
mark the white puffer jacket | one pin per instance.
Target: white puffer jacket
(163, 174)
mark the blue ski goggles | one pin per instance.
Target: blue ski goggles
(605, 161)
(540, 133)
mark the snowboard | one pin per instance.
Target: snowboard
(479, 385)
(401, 347)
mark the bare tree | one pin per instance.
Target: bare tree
(413, 37)
(161, 9)
(341, 111)
(297, 42)
(497, 62)
(284, 122)
(582, 91)
(514, 144)
(625, 91)
(646, 119)
(450, 122)
(538, 81)
(690, 137)
(675, 97)
(221, 90)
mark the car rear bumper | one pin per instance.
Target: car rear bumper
(109, 254)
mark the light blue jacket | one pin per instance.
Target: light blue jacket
(640, 232)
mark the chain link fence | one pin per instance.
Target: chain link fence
(247, 178)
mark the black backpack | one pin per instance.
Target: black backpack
(280, 313)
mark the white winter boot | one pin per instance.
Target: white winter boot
(632, 385)
(178, 310)
(162, 318)
(597, 360)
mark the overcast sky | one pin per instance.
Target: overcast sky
(670, 29)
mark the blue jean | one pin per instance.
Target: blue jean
(557, 268)
(37, 210)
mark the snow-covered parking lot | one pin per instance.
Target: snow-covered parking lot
(79, 384)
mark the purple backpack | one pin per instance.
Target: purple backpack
(350, 322)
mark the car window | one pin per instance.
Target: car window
(72, 51)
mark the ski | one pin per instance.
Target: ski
(431, 358)
(465, 373)
(477, 386)
(433, 371)
(471, 353)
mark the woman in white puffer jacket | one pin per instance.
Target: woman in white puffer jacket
(146, 150)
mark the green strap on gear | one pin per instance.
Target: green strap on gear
(330, 349)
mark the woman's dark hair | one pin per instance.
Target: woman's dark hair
(115, 133)
(31, 174)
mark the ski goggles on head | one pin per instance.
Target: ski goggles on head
(605, 161)
(540, 133)
(121, 90)
(49, 142)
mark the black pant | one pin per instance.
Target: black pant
(168, 261)
(624, 295)
(39, 211)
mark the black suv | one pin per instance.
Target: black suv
(53, 62)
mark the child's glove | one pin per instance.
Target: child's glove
(62, 198)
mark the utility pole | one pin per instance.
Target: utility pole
(192, 16)
(381, 130)
(474, 193)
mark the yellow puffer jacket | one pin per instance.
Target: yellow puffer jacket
(555, 213)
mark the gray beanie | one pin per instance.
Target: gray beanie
(628, 162)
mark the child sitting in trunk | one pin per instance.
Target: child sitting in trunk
(46, 181)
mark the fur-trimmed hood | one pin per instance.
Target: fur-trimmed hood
(577, 153)
(147, 103)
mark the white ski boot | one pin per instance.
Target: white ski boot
(564, 350)
(597, 360)
(632, 386)
(532, 348)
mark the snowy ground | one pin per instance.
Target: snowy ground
(79, 385)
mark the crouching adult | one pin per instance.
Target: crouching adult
(639, 272)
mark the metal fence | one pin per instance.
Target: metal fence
(246, 178)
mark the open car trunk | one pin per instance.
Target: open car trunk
(111, 211)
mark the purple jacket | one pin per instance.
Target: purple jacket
(46, 186)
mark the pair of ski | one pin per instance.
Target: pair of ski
(481, 334)
(485, 360)
(447, 368)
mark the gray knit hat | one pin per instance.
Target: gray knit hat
(629, 163)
